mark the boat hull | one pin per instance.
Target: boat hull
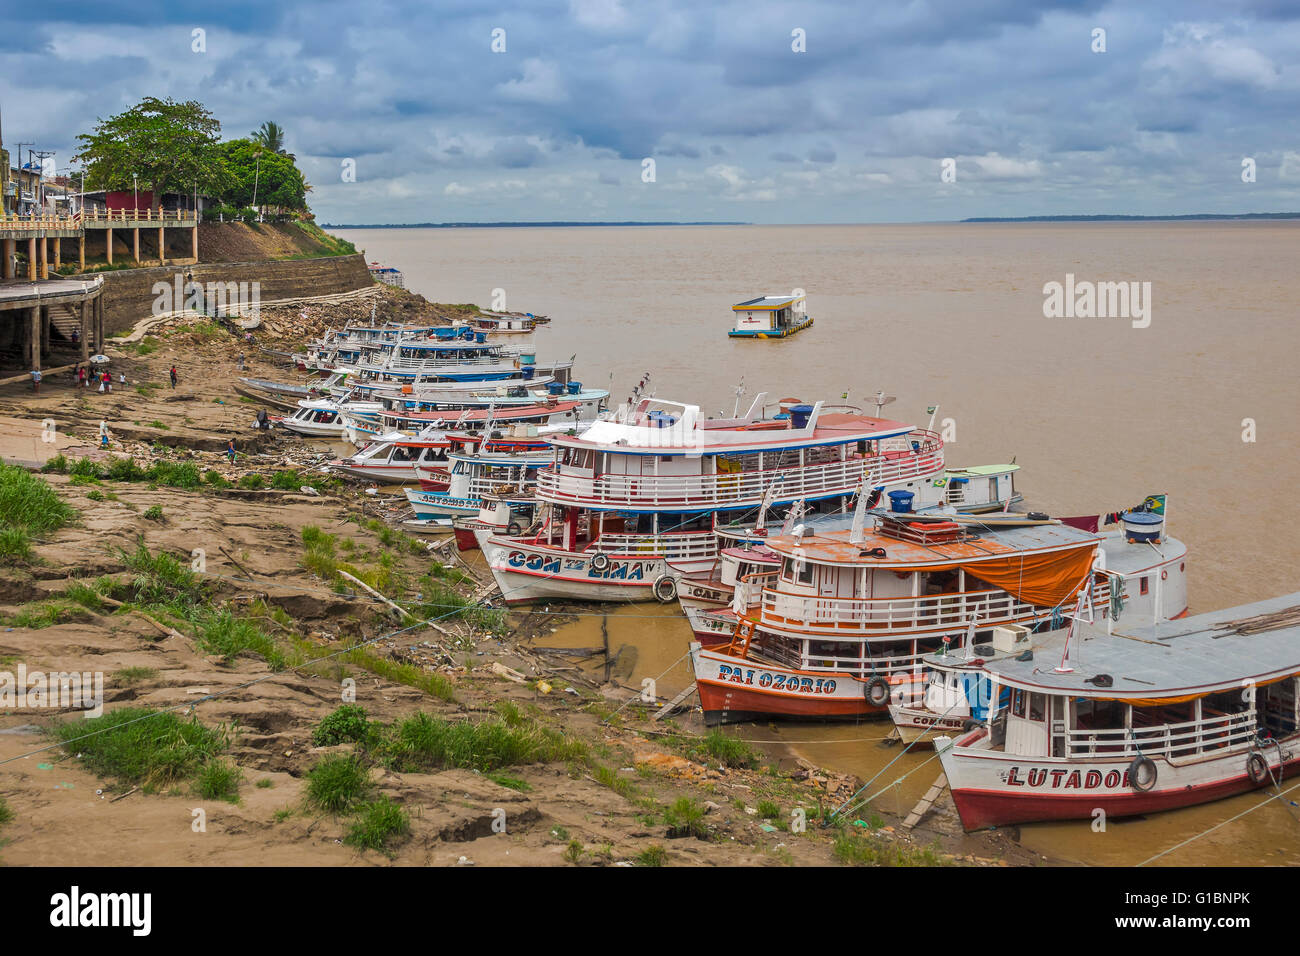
(993, 789)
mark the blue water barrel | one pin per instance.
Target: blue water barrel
(799, 415)
(575, 388)
(529, 372)
(900, 502)
(467, 335)
(554, 388)
(527, 358)
(480, 337)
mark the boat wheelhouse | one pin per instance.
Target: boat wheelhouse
(850, 613)
(634, 493)
(770, 317)
(319, 418)
(474, 477)
(396, 457)
(361, 427)
(507, 323)
(1158, 717)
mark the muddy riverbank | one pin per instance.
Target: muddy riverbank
(268, 540)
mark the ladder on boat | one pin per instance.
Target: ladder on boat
(673, 704)
(926, 803)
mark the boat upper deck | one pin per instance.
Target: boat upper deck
(1237, 647)
(835, 547)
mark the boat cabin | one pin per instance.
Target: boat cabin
(769, 316)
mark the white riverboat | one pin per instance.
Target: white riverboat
(1143, 719)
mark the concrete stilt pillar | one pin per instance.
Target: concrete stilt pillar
(58, 253)
(194, 243)
(45, 257)
(31, 259)
(7, 269)
(85, 330)
(162, 246)
(45, 330)
(99, 335)
(81, 252)
(34, 340)
(135, 243)
(108, 244)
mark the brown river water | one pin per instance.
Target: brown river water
(1098, 413)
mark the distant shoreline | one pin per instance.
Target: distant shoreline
(1197, 217)
(510, 225)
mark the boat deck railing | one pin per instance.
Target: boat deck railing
(736, 489)
(1181, 740)
(863, 617)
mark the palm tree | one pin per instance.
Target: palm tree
(271, 135)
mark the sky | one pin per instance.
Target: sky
(686, 110)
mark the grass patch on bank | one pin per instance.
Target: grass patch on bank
(218, 780)
(855, 850)
(378, 825)
(724, 749)
(29, 507)
(139, 745)
(338, 783)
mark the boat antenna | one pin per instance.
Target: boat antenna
(856, 535)
(1064, 667)
(739, 390)
(768, 497)
(881, 400)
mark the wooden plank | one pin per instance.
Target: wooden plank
(674, 703)
(926, 803)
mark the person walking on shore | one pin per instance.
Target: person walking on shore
(241, 361)
(173, 376)
(230, 451)
(36, 381)
(81, 377)
(103, 434)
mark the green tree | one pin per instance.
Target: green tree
(270, 136)
(171, 146)
(256, 173)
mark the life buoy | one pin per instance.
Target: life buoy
(1142, 773)
(1039, 516)
(665, 589)
(514, 530)
(600, 561)
(969, 724)
(1256, 769)
(877, 692)
(1164, 575)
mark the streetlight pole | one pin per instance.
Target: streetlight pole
(135, 186)
(257, 169)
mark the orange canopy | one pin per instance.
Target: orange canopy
(1044, 580)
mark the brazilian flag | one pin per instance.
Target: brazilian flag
(1155, 504)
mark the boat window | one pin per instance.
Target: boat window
(1142, 585)
(1037, 706)
(806, 573)
(1018, 703)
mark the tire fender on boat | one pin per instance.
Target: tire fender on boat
(877, 692)
(1135, 770)
(600, 561)
(665, 589)
(514, 530)
(1256, 768)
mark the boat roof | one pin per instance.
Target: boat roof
(981, 470)
(766, 302)
(833, 547)
(1195, 655)
(689, 433)
(1128, 559)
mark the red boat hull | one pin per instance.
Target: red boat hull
(724, 704)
